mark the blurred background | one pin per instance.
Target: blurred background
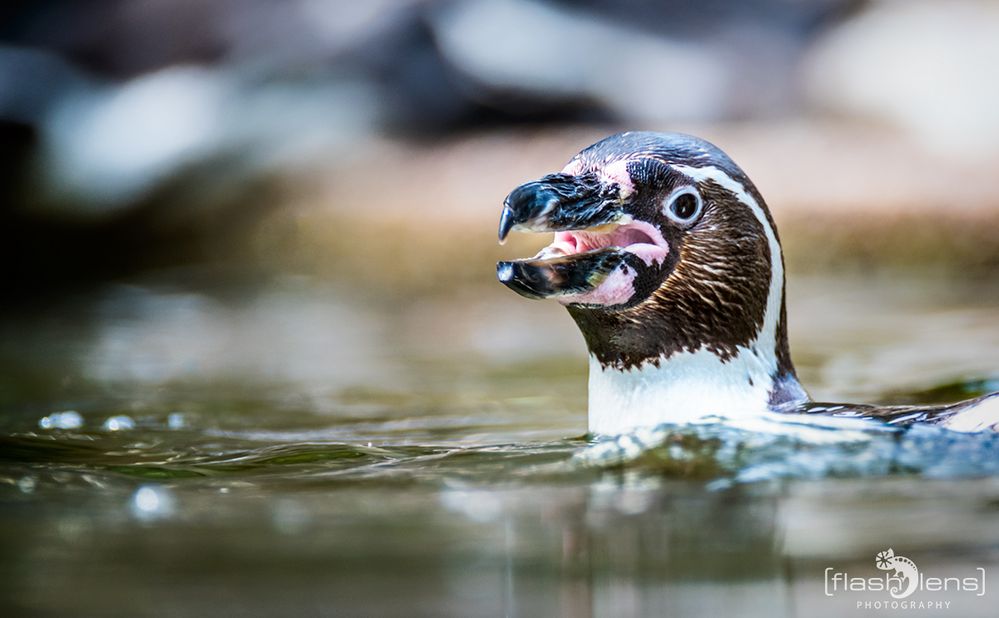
(163, 158)
(254, 359)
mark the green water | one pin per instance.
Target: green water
(293, 448)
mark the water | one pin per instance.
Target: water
(295, 448)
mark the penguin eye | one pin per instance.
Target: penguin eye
(684, 206)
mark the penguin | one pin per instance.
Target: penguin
(668, 260)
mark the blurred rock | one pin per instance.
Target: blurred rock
(926, 67)
(531, 50)
(106, 148)
(639, 61)
(106, 178)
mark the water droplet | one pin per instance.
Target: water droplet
(69, 419)
(152, 502)
(176, 420)
(119, 423)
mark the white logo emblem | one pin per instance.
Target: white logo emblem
(904, 568)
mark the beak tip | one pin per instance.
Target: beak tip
(504, 271)
(506, 223)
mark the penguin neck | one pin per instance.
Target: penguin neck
(657, 368)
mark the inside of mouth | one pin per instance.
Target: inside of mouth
(639, 238)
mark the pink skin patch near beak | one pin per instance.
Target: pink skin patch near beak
(614, 172)
(616, 289)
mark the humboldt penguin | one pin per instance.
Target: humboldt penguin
(668, 260)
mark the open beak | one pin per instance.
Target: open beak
(594, 237)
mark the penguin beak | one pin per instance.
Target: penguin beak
(561, 202)
(598, 251)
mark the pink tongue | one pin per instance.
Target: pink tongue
(623, 237)
(580, 242)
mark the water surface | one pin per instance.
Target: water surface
(296, 448)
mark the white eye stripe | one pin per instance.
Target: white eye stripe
(670, 205)
(767, 338)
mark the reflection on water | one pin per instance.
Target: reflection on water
(301, 450)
